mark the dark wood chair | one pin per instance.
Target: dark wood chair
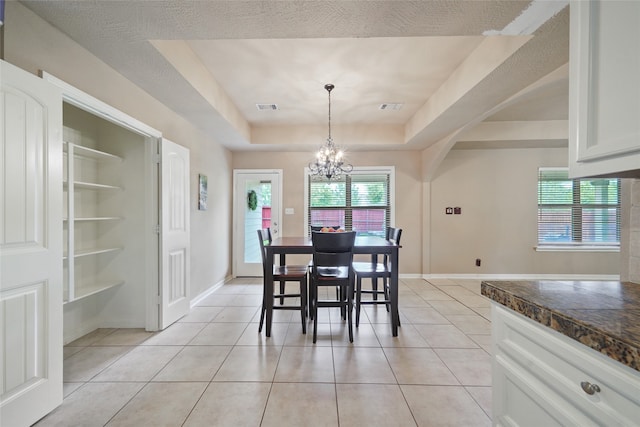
(282, 274)
(319, 228)
(332, 266)
(375, 270)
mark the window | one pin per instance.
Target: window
(360, 201)
(577, 212)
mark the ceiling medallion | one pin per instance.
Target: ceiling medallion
(329, 162)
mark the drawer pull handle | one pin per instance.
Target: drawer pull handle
(590, 388)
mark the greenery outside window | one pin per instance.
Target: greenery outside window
(577, 213)
(360, 201)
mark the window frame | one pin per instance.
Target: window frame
(574, 246)
(357, 170)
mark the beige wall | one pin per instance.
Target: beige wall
(497, 191)
(32, 44)
(408, 192)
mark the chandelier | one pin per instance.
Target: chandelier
(329, 158)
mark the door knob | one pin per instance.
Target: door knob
(589, 388)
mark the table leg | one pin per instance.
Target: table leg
(393, 291)
(268, 280)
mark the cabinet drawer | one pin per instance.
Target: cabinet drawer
(561, 364)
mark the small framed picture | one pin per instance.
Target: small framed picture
(202, 192)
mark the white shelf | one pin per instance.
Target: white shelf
(92, 186)
(91, 153)
(101, 218)
(91, 252)
(93, 287)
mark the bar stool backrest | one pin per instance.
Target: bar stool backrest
(332, 250)
(264, 237)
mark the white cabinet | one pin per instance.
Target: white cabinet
(541, 377)
(604, 89)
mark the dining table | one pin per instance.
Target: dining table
(372, 245)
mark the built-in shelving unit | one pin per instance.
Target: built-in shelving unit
(90, 226)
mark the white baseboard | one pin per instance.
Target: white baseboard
(601, 277)
(209, 291)
(73, 333)
(410, 276)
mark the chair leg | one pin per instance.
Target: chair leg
(310, 302)
(358, 299)
(263, 311)
(374, 287)
(282, 283)
(385, 285)
(349, 312)
(314, 309)
(303, 304)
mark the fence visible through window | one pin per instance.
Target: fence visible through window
(577, 211)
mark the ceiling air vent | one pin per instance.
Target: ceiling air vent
(266, 107)
(391, 106)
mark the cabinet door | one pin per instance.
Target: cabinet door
(30, 247)
(604, 98)
(175, 233)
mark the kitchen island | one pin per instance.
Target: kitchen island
(565, 352)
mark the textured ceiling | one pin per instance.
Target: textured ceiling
(449, 62)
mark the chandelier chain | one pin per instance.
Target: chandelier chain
(329, 88)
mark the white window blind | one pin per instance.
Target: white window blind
(360, 202)
(577, 212)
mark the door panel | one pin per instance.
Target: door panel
(265, 188)
(30, 247)
(175, 233)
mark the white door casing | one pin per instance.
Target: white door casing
(246, 250)
(30, 247)
(175, 233)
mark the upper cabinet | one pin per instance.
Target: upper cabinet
(604, 89)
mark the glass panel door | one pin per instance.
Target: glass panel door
(257, 206)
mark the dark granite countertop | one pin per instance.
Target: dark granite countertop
(602, 315)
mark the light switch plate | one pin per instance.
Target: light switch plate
(288, 211)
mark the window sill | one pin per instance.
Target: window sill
(577, 248)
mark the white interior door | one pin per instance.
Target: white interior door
(265, 188)
(175, 233)
(30, 247)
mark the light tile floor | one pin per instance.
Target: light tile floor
(213, 368)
